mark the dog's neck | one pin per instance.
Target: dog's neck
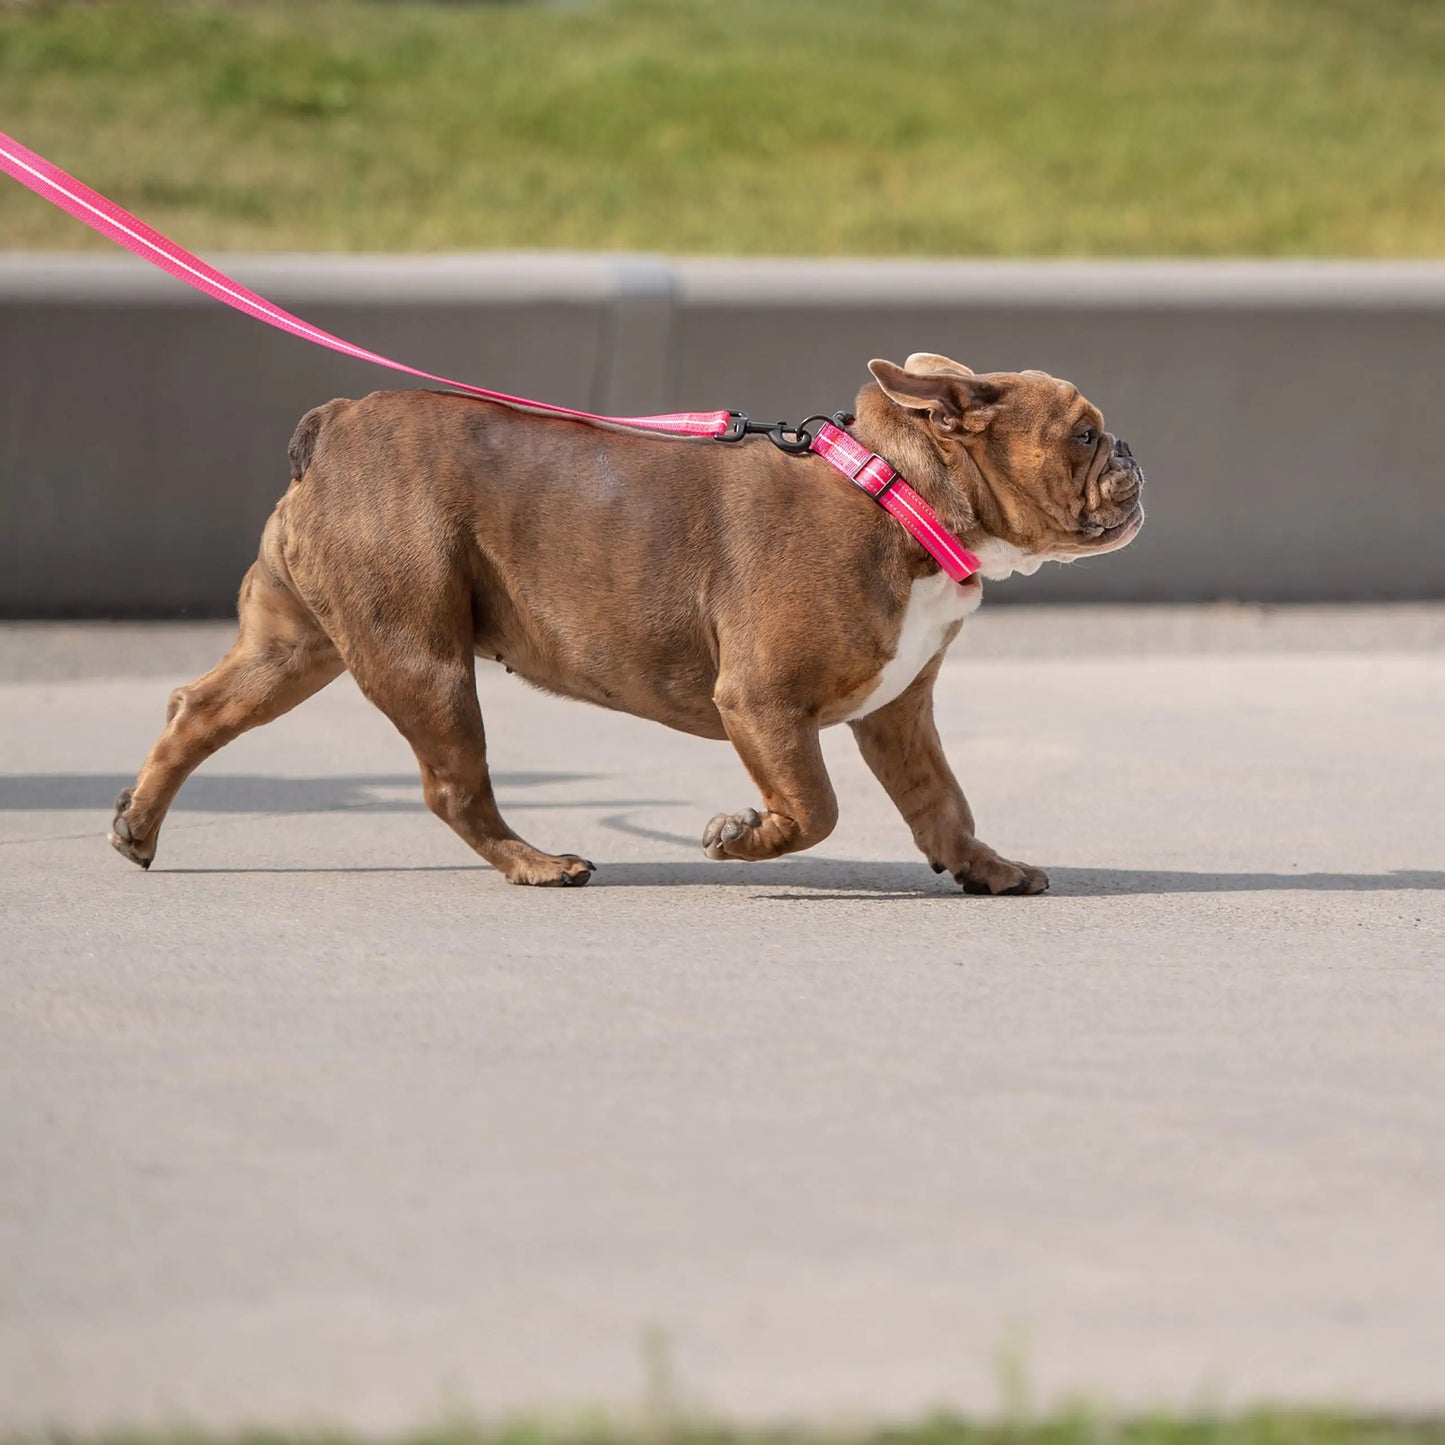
(901, 439)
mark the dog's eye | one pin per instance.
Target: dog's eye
(1087, 437)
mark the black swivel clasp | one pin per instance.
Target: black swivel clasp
(793, 439)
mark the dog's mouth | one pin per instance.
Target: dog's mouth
(1099, 539)
(1121, 533)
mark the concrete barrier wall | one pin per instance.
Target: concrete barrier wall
(1289, 415)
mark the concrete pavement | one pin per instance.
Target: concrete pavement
(321, 1120)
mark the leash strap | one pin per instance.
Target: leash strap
(863, 468)
(118, 225)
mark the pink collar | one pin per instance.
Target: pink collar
(886, 486)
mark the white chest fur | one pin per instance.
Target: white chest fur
(935, 605)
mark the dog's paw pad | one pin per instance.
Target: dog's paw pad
(123, 836)
(726, 828)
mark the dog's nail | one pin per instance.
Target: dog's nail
(145, 863)
(122, 829)
(751, 818)
(122, 799)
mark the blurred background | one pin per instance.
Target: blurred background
(935, 128)
(1220, 218)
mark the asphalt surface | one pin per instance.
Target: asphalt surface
(320, 1120)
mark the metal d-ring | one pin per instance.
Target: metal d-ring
(790, 439)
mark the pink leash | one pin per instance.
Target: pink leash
(862, 467)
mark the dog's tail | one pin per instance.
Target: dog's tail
(308, 433)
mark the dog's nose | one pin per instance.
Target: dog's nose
(1121, 448)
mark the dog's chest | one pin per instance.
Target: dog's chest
(936, 605)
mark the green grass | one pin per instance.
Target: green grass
(1083, 1428)
(932, 127)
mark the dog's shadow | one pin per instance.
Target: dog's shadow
(816, 880)
(800, 879)
(250, 792)
(808, 879)
(805, 878)
(838, 878)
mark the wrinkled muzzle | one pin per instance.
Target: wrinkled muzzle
(1117, 511)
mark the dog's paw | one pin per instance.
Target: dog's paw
(725, 829)
(566, 871)
(997, 875)
(123, 836)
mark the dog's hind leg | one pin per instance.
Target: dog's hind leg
(281, 657)
(432, 699)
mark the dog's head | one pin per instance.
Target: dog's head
(1040, 477)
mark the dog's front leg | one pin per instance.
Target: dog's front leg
(900, 744)
(780, 749)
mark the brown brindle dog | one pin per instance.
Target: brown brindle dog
(729, 591)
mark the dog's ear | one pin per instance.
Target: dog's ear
(952, 400)
(923, 362)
